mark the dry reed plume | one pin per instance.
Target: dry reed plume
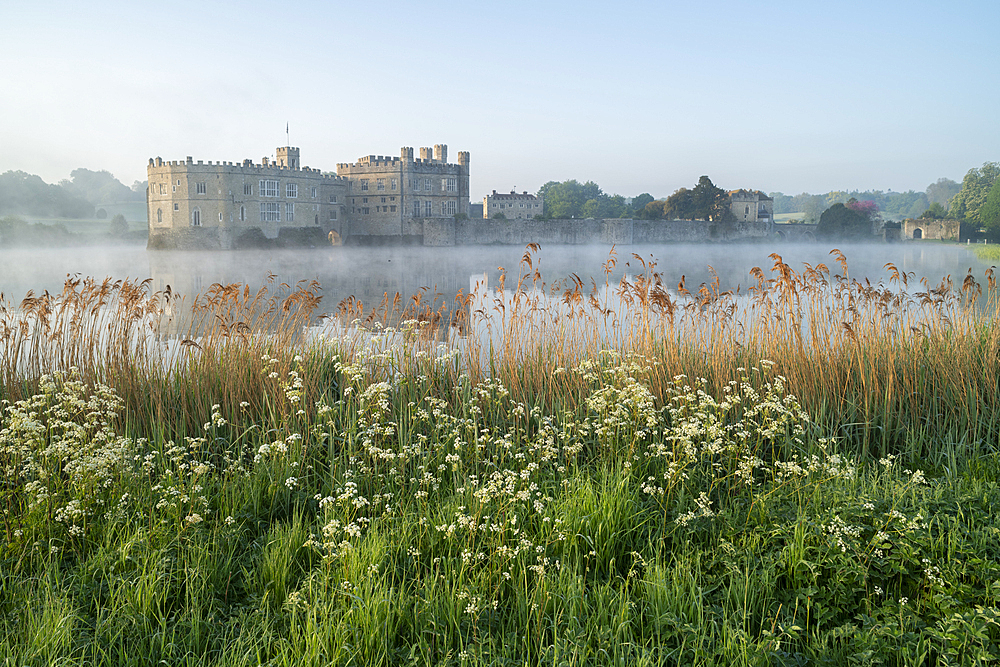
(878, 360)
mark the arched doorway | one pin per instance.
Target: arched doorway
(918, 233)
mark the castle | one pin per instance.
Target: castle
(513, 206)
(377, 199)
(751, 206)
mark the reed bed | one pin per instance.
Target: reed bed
(537, 473)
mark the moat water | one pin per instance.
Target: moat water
(368, 273)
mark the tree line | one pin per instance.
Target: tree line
(572, 199)
(77, 197)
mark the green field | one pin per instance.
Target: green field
(809, 479)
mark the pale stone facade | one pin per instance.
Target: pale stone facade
(751, 206)
(221, 201)
(513, 206)
(930, 230)
(388, 196)
(377, 199)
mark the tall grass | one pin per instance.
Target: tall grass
(534, 474)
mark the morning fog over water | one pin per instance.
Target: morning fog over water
(368, 273)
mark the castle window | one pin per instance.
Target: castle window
(243, 213)
(163, 188)
(333, 199)
(365, 210)
(177, 206)
(178, 181)
(393, 184)
(196, 218)
(312, 192)
(392, 209)
(247, 190)
(317, 219)
(416, 209)
(268, 188)
(449, 184)
(449, 207)
(290, 212)
(291, 190)
(380, 185)
(364, 200)
(364, 184)
(333, 214)
(269, 212)
(174, 189)
(159, 213)
(428, 207)
(220, 216)
(415, 183)
(200, 188)
(427, 184)
(383, 200)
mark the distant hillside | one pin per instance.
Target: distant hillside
(101, 187)
(892, 205)
(78, 197)
(27, 194)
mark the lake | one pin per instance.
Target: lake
(368, 273)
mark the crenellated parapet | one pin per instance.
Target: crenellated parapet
(376, 197)
(159, 166)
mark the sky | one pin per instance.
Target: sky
(637, 96)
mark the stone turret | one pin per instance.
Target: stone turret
(441, 153)
(426, 154)
(406, 153)
(288, 157)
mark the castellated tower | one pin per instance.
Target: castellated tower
(406, 154)
(426, 154)
(441, 153)
(288, 157)
(463, 182)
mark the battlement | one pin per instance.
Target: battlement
(380, 163)
(159, 165)
(748, 195)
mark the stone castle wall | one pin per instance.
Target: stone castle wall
(213, 205)
(606, 232)
(930, 230)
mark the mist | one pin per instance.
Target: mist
(367, 273)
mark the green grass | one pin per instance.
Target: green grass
(350, 504)
(989, 252)
(787, 217)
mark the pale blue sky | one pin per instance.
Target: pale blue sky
(638, 96)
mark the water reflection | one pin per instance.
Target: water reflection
(369, 273)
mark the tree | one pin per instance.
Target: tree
(100, 187)
(26, 194)
(567, 199)
(942, 191)
(710, 202)
(639, 203)
(935, 212)
(653, 210)
(975, 189)
(678, 206)
(869, 209)
(843, 223)
(989, 214)
(118, 225)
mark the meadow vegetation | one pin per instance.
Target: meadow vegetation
(543, 473)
